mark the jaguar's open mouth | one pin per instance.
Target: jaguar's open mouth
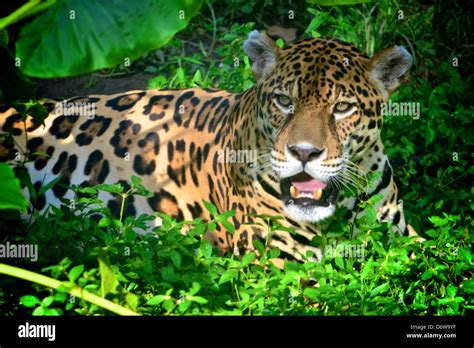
(305, 191)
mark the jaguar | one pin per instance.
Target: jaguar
(313, 120)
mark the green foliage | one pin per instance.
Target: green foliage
(167, 272)
(438, 164)
(62, 289)
(231, 71)
(373, 26)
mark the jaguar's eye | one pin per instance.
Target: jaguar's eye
(283, 100)
(343, 107)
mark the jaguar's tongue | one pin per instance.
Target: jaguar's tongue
(311, 188)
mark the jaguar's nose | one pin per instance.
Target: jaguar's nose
(305, 152)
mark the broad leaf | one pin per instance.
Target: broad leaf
(108, 279)
(11, 196)
(75, 37)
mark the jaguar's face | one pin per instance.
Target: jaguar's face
(322, 101)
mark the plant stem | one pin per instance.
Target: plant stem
(122, 207)
(41, 7)
(55, 284)
(30, 8)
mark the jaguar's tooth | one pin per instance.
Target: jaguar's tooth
(317, 194)
(293, 191)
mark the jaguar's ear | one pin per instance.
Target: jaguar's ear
(389, 65)
(263, 52)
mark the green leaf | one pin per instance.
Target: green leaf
(88, 190)
(155, 300)
(47, 301)
(75, 272)
(195, 287)
(60, 296)
(39, 311)
(37, 111)
(176, 258)
(108, 280)
(315, 23)
(206, 248)
(312, 293)
(49, 185)
(197, 78)
(116, 188)
(51, 312)
(444, 301)
(375, 198)
(273, 253)
(211, 208)
(468, 286)
(339, 262)
(183, 306)
(367, 268)
(430, 134)
(466, 255)
(379, 289)
(169, 305)
(228, 276)
(228, 226)
(136, 180)
(29, 301)
(198, 229)
(259, 245)
(168, 274)
(75, 37)
(438, 221)
(248, 258)
(211, 226)
(11, 196)
(198, 299)
(370, 215)
(104, 222)
(132, 301)
(451, 290)
(427, 274)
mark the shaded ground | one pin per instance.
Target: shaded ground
(62, 88)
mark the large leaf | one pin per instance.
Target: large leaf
(79, 36)
(11, 196)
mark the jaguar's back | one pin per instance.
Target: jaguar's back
(164, 137)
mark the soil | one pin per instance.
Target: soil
(62, 88)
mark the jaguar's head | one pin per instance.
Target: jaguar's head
(321, 101)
